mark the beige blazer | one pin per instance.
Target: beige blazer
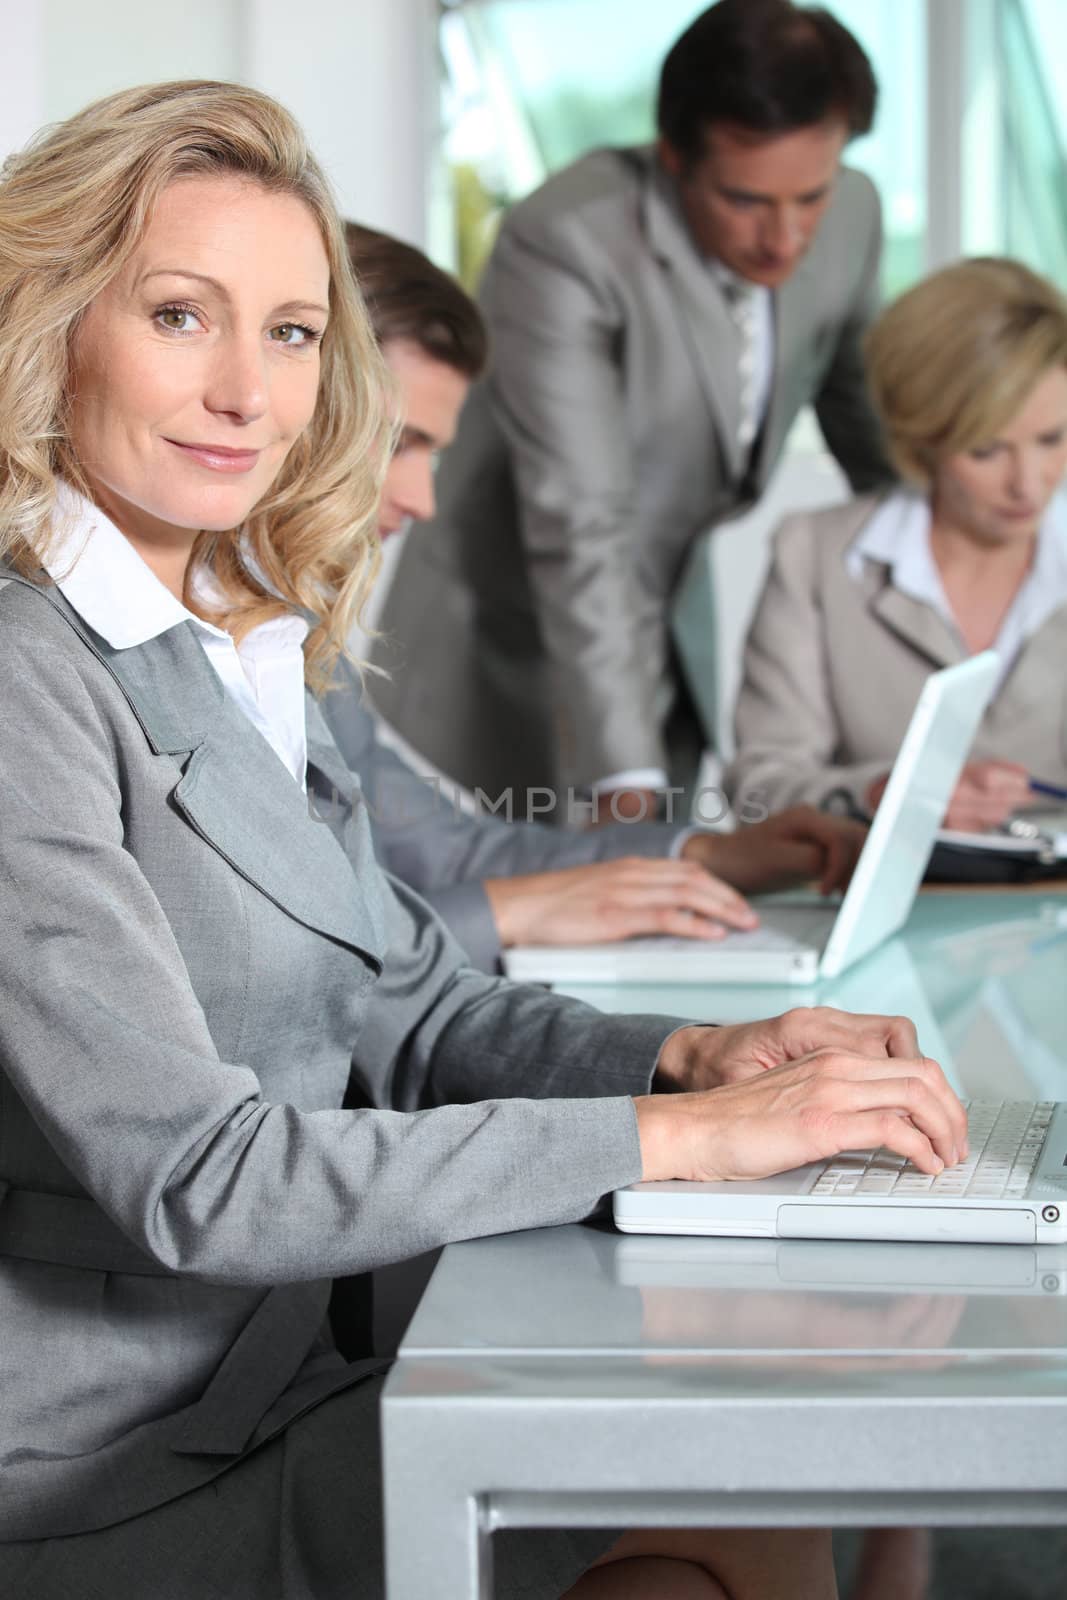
(530, 619)
(834, 665)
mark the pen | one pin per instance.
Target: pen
(1053, 791)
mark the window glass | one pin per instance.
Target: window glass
(532, 84)
(1048, 27)
(1031, 69)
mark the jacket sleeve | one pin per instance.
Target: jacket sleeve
(843, 406)
(558, 334)
(785, 723)
(465, 1131)
(425, 838)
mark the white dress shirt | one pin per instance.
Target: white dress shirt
(97, 569)
(898, 536)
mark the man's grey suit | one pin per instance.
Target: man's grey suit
(194, 956)
(528, 623)
(446, 854)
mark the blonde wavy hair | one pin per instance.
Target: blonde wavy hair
(73, 208)
(954, 358)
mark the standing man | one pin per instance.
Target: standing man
(658, 317)
(493, 882)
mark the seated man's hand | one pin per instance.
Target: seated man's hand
(610, 900)
(779, 1106)
(795, 846)
(987, 794)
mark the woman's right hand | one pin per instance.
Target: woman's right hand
(987, 794)
(831, 1099)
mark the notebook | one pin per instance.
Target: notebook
(1012, 1189)
(1031, 835)
(801, 943)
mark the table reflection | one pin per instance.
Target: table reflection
(883, 1302)
(587, 1289)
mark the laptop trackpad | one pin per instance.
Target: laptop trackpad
(970, 1224)
(807, 925)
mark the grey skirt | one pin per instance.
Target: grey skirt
(297, 1519)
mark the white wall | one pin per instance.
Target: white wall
(361, 78)
(93, 47)
(20, 73)
(360, 75)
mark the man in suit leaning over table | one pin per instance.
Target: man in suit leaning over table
(658, 317)
(496, 882)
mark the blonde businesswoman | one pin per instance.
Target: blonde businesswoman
(969, 372)
(198, 953)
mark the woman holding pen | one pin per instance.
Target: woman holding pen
(969, 373)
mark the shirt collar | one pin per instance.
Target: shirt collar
(1050, 558)
(897, 534)
(732, 283)
(97, 569)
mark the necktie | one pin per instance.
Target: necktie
(741, 301)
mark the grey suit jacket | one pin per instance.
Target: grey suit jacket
(834, 666)
(446, 854)
(193, 959)
(529, 620)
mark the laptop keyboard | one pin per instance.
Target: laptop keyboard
(1006, 1138)
(761, 939)
(802, 926)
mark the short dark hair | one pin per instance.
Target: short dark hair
(407, 297)
(768, 65)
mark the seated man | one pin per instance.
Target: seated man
(494, 882)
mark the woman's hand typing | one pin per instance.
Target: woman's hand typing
(764, 1097)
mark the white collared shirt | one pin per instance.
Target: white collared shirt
(898, 536)
(97, 569)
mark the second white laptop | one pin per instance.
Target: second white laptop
(798, 944)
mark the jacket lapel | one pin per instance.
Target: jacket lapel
(239, 796)
(710, 334)
(919, 624)
(241, 800)
(792, 327)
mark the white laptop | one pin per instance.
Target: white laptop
(800, 943)
(1012, 1189)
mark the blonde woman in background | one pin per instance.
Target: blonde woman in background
(969, 373)
(200, 960)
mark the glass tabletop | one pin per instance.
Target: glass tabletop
(984, 976)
